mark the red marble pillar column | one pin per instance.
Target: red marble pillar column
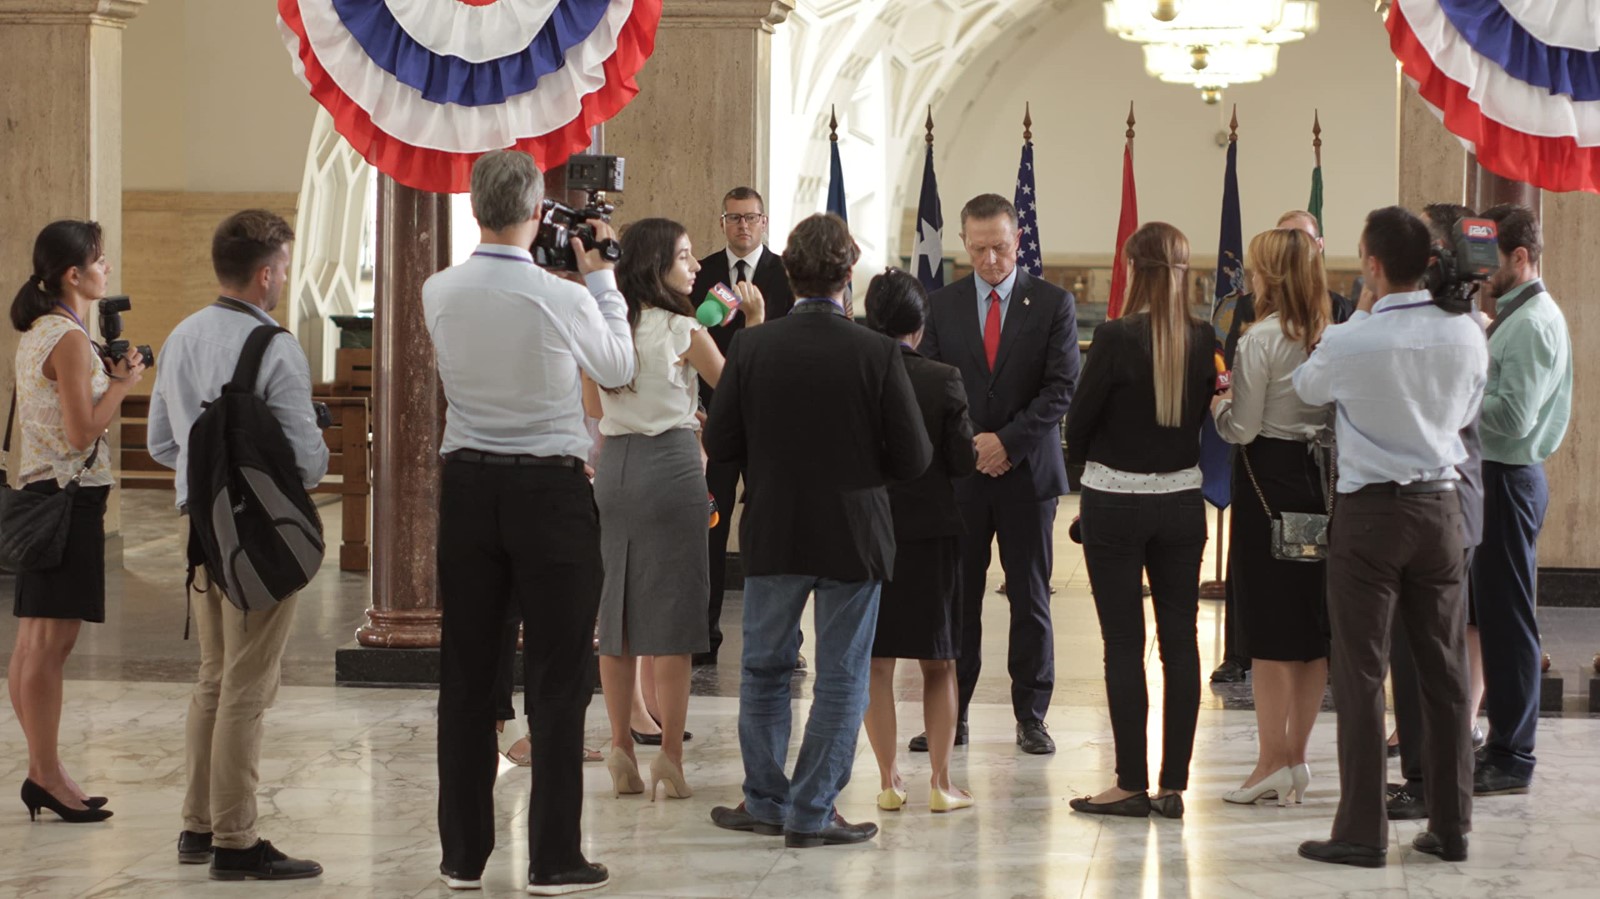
(408, 420)
(1485, 189)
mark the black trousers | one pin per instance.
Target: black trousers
(1026, 555)
(1408, 719)
(504, 674)
(722, 479)
(528, 537)
(1399, 556)
(1124, 536)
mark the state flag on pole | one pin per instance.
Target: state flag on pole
(1216, 456)
(1027, 203)
(1126, 225)
(929, 262)
(1314, 206)
(836, 203)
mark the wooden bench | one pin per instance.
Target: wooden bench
(349, 467)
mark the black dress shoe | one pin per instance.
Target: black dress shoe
(1451, 849)
(703, 659)
(1168, 806)
(589, 877)
(1135, 806)
(1229, 672)
(95, 802)
(1336, 853)
(799, 662)
(1488, 780)
(260, 862)
(194, 848)
(1034, 738)
(738, 819)
(919, 743)
(839, 832)
(1403, 805)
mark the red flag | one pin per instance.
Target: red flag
(1126, 225)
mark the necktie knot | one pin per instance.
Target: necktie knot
(740, 271)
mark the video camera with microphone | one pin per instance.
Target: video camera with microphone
(560, 223)
(1467, 256)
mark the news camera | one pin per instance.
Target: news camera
(1465, 257)
(560, 223)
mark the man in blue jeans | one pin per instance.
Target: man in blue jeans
(819, 414)
(1526, 406)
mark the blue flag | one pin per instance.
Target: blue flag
(929, 259)
(1216, 456)
(836, 204)
(1028, 258)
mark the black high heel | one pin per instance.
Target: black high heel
(655, 738)
(36, 797)
(95, 801)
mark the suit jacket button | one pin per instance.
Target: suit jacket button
(991, 394)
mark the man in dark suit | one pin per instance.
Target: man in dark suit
(1015, 339)
(820, 415)
(745, 258)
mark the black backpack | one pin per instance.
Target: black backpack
(251, 521)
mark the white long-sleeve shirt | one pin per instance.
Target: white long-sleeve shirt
(510, 339)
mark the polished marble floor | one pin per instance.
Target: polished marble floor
(348, 778)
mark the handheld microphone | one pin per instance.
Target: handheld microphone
(718, 307)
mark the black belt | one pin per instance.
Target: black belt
(1390, 488)
(480, 458)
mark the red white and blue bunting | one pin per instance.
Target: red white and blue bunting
(422, 88)
(1518, 81)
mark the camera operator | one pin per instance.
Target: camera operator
(1526, 407)
(517, 521)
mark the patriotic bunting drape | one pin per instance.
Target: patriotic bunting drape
(421, 88)
(1518, 81)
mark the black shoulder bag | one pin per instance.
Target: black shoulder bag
(33, 526)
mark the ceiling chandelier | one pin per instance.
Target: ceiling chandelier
(1211, 44)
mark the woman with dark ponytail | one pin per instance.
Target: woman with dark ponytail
(919, 612)
(65, 398)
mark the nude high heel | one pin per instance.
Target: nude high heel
(663, 770)
(1277, 785)
(625, 777)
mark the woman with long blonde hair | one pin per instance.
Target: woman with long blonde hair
(1133, 443)
(1276, 469)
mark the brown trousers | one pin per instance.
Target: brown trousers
(241, 665)
(1392, 555)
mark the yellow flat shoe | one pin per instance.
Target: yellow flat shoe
(941, 801)
(892, 799)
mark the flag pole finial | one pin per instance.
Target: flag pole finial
(930, 125)
(1233, 126)
(1131, 122)
(1027, 121)
(833, 125)
(1316, 135)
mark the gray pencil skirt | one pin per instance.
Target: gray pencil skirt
(651, 493)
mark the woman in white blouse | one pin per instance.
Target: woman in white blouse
(1277, 467)
(650, 488)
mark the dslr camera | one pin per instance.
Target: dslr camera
(1466, 256)
(111, 309)
(560, 223)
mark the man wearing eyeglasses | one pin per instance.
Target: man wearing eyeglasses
(745, 258)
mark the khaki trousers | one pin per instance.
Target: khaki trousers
(241, 665)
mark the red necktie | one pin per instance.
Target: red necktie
(991, 329)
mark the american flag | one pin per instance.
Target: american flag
(1028, 257)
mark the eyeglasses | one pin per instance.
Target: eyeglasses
(749, 218)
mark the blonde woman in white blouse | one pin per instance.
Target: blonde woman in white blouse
(650, 488)
(1282, 604)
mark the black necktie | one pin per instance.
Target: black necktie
(739, 272)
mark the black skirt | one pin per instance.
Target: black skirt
(77, 587)
(1283, 605)
(919, 612)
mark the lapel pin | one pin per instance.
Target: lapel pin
(1026, 301)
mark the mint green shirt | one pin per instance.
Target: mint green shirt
(1528, 400)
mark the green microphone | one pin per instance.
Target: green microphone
(718, 307)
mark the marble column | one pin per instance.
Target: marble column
(1431, 160)
(60, 143)
(1486, 190)
(407, 421)
(702, 122)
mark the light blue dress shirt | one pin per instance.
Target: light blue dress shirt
(1004, 288)
(510, 339)
(199, 358)
(1405, 379)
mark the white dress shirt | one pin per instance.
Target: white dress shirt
(199, 358)
(749, 261)
(666, 394)
(1264, 403)
(1405, 379)
(510, 339)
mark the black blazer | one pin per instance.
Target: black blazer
(1025, 398)
(926, 507)
(769, 277)
(820, 414)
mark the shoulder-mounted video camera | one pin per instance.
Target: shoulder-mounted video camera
(1467, 256)
(560, 223)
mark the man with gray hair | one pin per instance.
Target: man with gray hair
(517, 519)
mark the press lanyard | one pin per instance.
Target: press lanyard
(68, 310)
